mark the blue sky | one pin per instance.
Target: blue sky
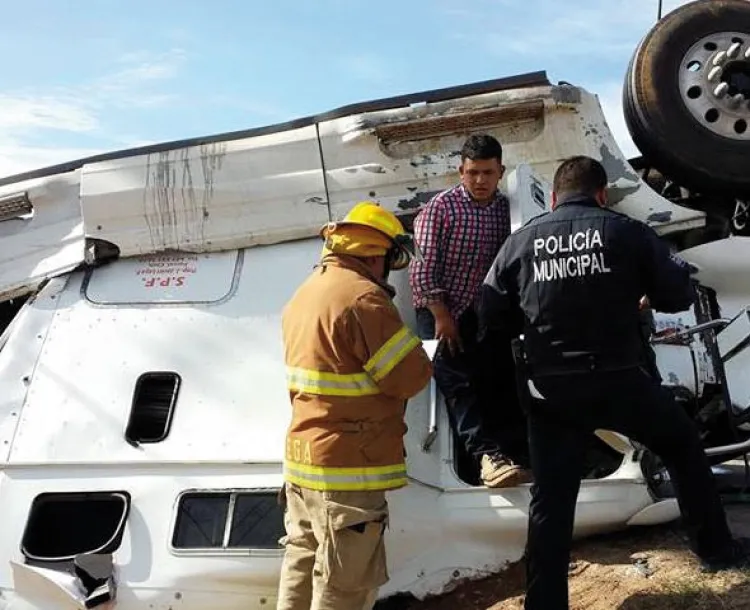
(86, 76)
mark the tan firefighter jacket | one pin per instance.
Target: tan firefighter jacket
(351, 365)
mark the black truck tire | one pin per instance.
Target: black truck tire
(688, 124)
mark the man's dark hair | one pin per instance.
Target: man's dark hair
(579, 175)
(481, 147)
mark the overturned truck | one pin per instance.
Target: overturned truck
(143, 402)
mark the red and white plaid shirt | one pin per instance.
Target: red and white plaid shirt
(459, 240)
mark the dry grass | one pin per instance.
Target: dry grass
(648, 569)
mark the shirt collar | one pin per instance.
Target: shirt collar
(496, 197)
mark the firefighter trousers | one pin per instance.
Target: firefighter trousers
(334, 556)
(635, 404)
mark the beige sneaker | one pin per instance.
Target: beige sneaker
(498, 471)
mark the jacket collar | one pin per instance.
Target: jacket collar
(352, 263)
(578, 200)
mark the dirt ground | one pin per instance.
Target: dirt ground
(644, 569)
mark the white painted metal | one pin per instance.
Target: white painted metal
(654, 514)
(227, 432)
(734, 349)
(529, 195)
(270, 188)
(50, 242)
(19, 355)
(225, 195)
(722, 265)
(71, 359)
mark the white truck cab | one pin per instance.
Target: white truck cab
(143, 403)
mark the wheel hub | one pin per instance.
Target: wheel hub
(715, 83)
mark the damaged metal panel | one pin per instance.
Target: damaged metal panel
(722, 266)
(273, 184)
(628, 193)
(208, 197)
(459, 122)
(219, 330)
(141, 571)
(734, 349)
(41, 232)
(418, 150)
(19, 356)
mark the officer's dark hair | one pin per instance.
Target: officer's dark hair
(579, 175)
(480, 147)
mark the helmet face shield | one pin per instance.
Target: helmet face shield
(405, 248)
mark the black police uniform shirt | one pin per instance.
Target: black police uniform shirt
(571, 281)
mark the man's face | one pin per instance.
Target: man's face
(480, 177)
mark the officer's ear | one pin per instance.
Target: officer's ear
(601, 197)
(554, 200)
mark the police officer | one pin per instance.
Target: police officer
(572, 282)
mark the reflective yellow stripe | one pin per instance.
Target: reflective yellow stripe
(347, 470)
(391, 353)
(323, 478)
(330, 384)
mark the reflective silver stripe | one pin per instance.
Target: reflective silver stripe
(391, 353)
(331, 384)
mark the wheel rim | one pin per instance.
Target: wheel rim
(715, 83)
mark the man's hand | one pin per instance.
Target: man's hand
(644, 304)
(446, 329)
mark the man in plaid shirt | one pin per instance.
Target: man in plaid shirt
(460, 232)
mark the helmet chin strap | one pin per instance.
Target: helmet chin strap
(386, 268)
(389, 256)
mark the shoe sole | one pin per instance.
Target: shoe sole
(510, 478)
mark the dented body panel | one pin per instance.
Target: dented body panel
(65, 434)
(164, 307)
(279, 183)
(45, 243)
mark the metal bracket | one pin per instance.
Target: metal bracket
(432, 430)
(698, 328)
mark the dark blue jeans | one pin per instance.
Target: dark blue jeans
(479, 389)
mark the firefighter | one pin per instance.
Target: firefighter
(351, 366)
(573, 280)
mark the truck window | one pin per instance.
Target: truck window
(165, 278)
(63, 525)
(154, 400)
(231, 519)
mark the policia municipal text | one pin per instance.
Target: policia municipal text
(571, 281)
